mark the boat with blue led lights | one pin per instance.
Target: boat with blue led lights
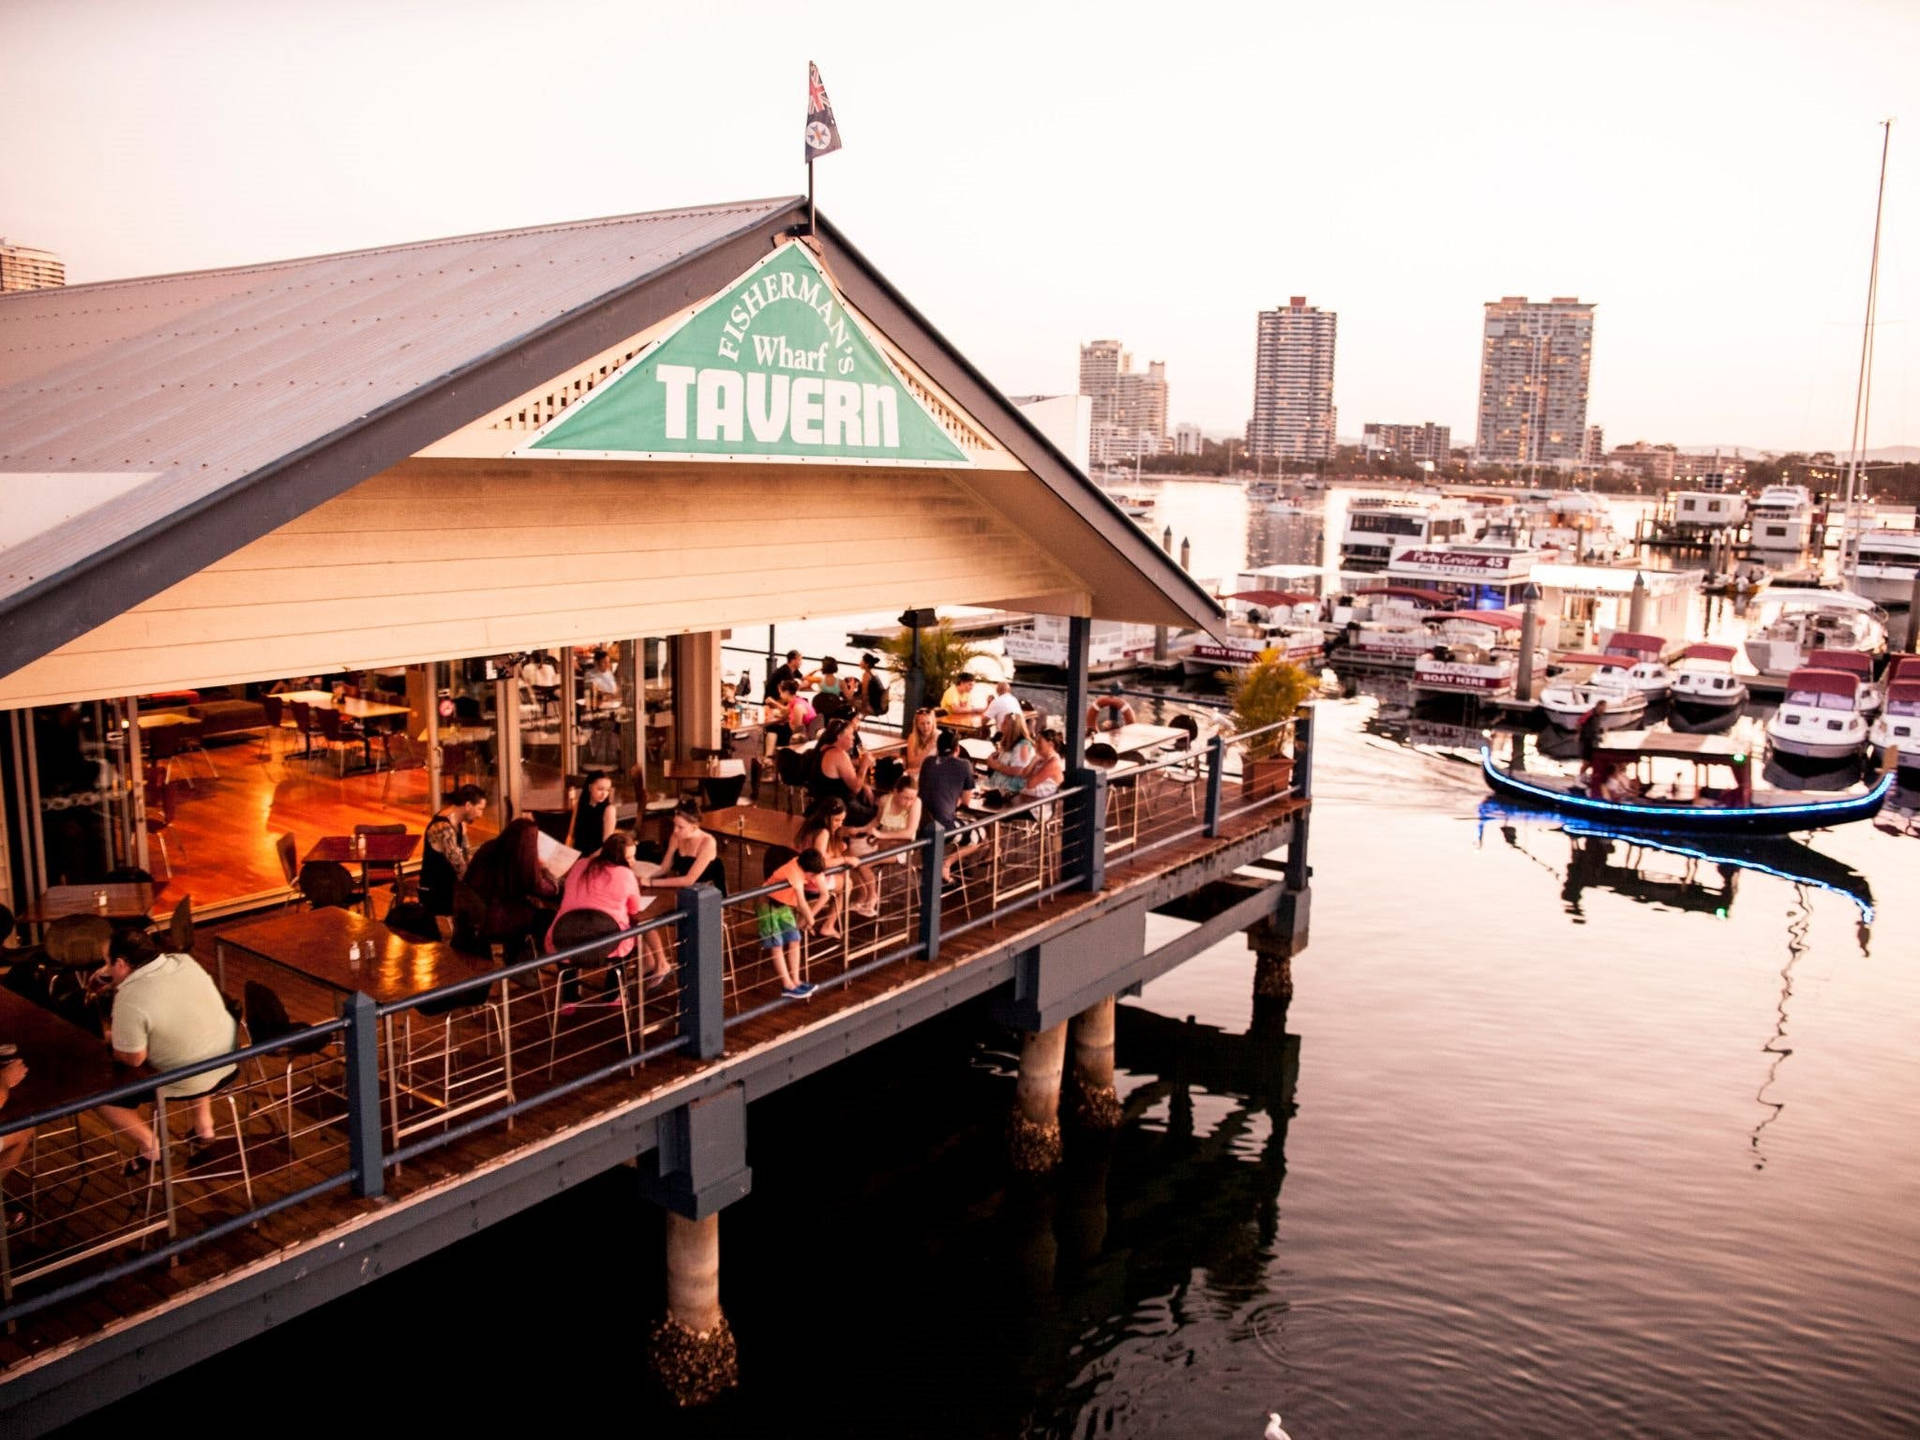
(1686, 784)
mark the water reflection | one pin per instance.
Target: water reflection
(1689, 873)
(1775, 1045)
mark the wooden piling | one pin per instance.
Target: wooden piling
(1096, 1105)
(1034, 1139)
(693, 1351)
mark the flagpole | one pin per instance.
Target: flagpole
(810, 226)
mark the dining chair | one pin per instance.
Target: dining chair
(330, 886)
(267, 1021)
(78, 941)
(381, 872)
(403, 753)
(578, 927)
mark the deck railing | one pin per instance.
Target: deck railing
(350, 1100)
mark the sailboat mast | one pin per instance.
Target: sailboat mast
(1849, 538)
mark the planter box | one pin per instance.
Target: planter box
(1268, 777)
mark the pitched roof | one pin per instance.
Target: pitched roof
(150, 426)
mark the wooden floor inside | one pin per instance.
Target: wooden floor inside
(63, 1327)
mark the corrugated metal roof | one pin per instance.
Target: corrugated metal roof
(199, 380)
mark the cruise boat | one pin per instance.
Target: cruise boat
(1113, 645)
(1794, 625)
(1574, 525)
(1258, 621)
(1887, 561)
(1640, 658)
(1820, 718)
(1680, 784)
(1706, 693)
(1898, 728)
(1567, 700)
(1378, 525)
(1782, 521)
(1387, 626)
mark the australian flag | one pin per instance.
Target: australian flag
(823, 136)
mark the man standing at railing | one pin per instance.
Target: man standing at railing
(167, 1012)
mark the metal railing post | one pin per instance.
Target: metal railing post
(1303, 753)
(363, 1095)
(703, 970)
(932, 862)
(1092, 826)
(1216, 773)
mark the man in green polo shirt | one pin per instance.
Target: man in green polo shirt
(167, 1012)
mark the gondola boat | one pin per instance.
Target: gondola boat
(1720, 800)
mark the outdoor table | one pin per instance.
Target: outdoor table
(126, 900)
(1136, 739)
(64, 1064)
(314, 944)
(747, 826)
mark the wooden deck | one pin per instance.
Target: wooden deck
(763, 1052)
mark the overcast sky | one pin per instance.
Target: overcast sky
(1036, 175)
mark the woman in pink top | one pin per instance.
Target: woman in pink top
(604, 881)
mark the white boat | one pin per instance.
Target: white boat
(1474, 653)
(1112, 645)
(1258, 621)
(1887, 562)
(1781, 520)
(1704, 512)
(1706, 692)
(1567, 700)
(1640, 659)
(1378, 525)
(1898, 728)
(1820, 717)
(1575, 525)
(1794, 625)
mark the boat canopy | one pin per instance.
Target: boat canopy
(1904, 667)
(1409, 592)
(1272, 598)
(1847, 662)
(1827, 600)
(1721, 653)
(1496, 619)
(1903, 697)
(1577, 658)
(1628, 642)
(1671, 745)
(1821, 682)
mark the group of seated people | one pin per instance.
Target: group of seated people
(505, 891)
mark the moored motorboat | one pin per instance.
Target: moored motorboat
(1706, 693)
(1640, 659)
(1568, 699)
(1259, 621)
(1802, 622)
(1898, 728)
(1712, 793)
(1819, 719)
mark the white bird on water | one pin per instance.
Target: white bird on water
(1274, 1432)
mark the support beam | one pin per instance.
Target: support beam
(696, 692)
(693, 1352)
(1079, 646)
(1096, 1105)
(1034, 1139)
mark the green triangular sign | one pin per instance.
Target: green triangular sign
(775, 365)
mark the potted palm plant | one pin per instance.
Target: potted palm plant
(1268, 693)
(943, 656)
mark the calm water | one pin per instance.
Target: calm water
(1560, 1137)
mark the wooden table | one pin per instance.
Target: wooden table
(126, 900)
(1136, 739)
(64, 1062)
(314, 944)
(746, 826)
(381, 849)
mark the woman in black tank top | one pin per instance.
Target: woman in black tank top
(593, 815)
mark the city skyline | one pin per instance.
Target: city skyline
(1724, 229)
